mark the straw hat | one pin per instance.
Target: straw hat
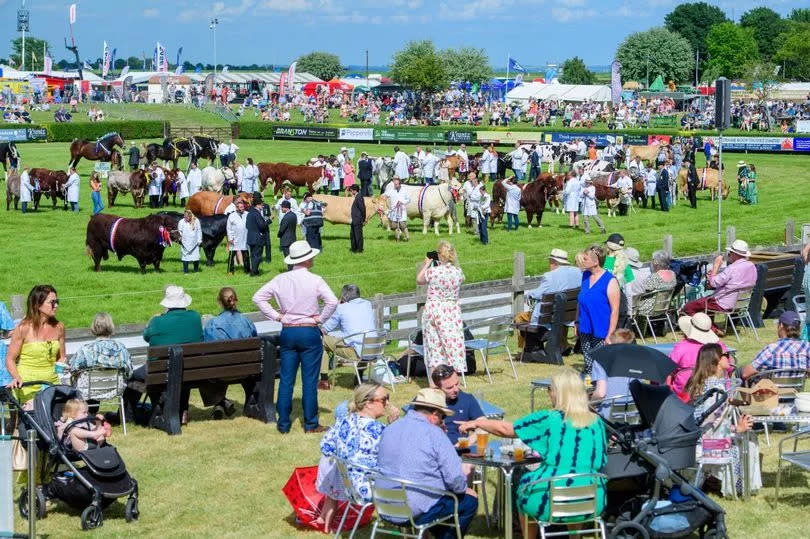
(300, 251)
(739, 247)
(698, 328)
(559, 256)
(633, 257)
(740, 164)
(432, 398)
(174, 297)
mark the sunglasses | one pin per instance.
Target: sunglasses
(54, 303)
(384, 400)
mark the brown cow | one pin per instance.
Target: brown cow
(169, 187)
(51, 184)
(646, 153)
(12, 190)
(337, 210)
(205, 203)
(298, 176)
(709, 179)
(144, 238)
(605, 193)
(533, 199)
(119, 181)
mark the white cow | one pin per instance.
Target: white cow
(214, 178)
(436, 202)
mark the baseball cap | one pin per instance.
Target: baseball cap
(790, 319)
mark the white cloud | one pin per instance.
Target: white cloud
(572, 3)
(567, 14)
(151, 13)
(286, 5)
(473, 9)
(226, 10)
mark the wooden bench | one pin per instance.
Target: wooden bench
(556, 311)
(777, 274)
(173, 367)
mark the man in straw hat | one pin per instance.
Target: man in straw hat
(297, 293)
(415, 448)
(738, 276)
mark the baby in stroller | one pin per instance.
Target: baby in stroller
(76, 428)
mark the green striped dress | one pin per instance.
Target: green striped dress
(565, 449)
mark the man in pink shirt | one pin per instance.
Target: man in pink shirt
(297, 293)
(738, 275)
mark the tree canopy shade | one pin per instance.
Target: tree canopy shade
(575, 72)
(467, 64)
(419, 66)
(34, 59)
(666, 53)
(800, 15)
(766, 25)
(323, 65)
(731, 48)
(693, 21)
(794, 51)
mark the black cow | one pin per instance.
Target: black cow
(8, 154)
(213, 231)
(144, 238)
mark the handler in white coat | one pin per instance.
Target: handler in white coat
(589, 208)
(182, 187)
(511, 206)
(190, 232)
(401, 163)
(571, 198)
(155, 186)
(194, 179)
(236, 229)
(250, 177)
(72, 190)
(650, 182)
(26, 190)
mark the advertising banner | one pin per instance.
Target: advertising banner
(755, 144)
(416, 135)
(356, 133)
(16, 135)
(601, 139)
(801, 144)
(509, 137)
(461, 137)
(305, 132)
(36, 133)
(803, 126)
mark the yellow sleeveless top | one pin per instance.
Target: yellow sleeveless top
(36, 362)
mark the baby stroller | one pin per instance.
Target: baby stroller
(653, 453)
(89, 480)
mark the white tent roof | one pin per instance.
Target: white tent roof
(16, 74)
(235, 77)
(564, 92)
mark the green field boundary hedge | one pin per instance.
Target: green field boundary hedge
(129, 129)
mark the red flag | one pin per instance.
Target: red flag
(282, 83)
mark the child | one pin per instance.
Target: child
(348, 175)
(76, 409)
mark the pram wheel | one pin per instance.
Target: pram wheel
(40, 501)
(92, 517)
(131, 510)
(629, 530)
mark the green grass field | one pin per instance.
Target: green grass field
(49, 245)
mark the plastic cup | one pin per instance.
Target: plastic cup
(463, 443)
(481, 441)
(519, 452)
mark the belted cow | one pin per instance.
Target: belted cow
(144, 238)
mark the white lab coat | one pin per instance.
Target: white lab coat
(72, 188)
(650, 182)
(26, 188)
(492, 164)
(512, 203)
(190, 240)
(571, 194)
(429, 165)
(589, 200)
(182, 184)
(156, 183)
(398, 202)
(237, 231)
(194, 181)
(250, 179)
(240, 177)
(519, 159)
(401, 163)
(465, 161)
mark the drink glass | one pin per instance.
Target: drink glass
(463, 443)
(481, 441)
(519, 452)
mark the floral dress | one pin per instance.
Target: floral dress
(356, 439)
(442, 328)
(654, 283)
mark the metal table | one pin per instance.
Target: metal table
(795, 419)
(507, 465)
(539, 383)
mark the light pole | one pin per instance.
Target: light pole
(213, 26)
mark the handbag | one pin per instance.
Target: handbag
(381, 373)
(19, 455)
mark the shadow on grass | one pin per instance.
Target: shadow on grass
(109, 267)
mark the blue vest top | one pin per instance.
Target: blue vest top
(594, 307)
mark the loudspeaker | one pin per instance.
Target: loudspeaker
(722, 103)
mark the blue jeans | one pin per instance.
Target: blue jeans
(483, 232)
(299, 346)
(74, 206)
(97, 204)
(467, 508)
(518, 174)
(24, 206)
(510, 219)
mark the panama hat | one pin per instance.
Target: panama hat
(559, 256)
(633, 257)
(698, 328)
(740, 164)
(739, 247)
(300, 251)
(174, 297)
(432, 398)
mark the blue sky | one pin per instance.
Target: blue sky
(278, 31)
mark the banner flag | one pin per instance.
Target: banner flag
(125, 71)
(48, 65)
(291, 76)
(105, 65)
(616, 82)
(72, 13)
(515, 66)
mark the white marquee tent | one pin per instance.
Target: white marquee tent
(562, 92)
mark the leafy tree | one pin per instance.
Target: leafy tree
(323, 65)
(800, 15)
(134, 62)
(766, 25)
(575, 72)
(693, 21)
(467, 64)
(120, 63)
(657, 51)
(794, 52)
(419, 66)
(34, 59)
(730, 49)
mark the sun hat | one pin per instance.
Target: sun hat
(633, 257)
(615, 242)
(559, 256)
(300, 251)
(740, 164)
(174, 297)
(790, 319)
(432, 398)
(344, 149)
(739, 247)
(698, 328)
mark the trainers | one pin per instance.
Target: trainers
(317, 430)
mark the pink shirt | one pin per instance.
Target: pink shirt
(296, 293)
(685, 354)
(736, 277)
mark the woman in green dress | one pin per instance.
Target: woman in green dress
(570, 438)
(37, 344)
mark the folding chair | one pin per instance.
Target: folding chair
(568, 505)
(622, 409)
(653, 306)
(800, 306)
(393, 509)
(354, 498)
(498, 330)
(796, 457)
(740, 312)
(372, 349)
(783, 379)
(102, 385)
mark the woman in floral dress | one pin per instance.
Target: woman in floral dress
(442, 328)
